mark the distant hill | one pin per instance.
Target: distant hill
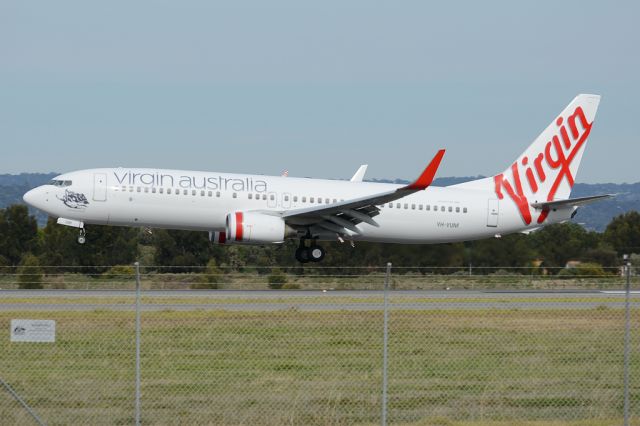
(12, 187)
(593, 217)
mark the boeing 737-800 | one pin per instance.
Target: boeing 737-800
(252, 209)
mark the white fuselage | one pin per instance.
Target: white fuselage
(177, 199)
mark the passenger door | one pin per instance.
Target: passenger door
(99, 187)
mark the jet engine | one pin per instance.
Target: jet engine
(256, 228)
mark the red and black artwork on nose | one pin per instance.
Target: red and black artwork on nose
(74, 200)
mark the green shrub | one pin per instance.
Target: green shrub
(291, 286)
(277, 279)
(29, 272)
(210, 279)
(123, 272)
(583, 270)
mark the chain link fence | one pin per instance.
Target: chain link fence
(320, 346)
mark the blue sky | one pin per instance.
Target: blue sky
(317, 89)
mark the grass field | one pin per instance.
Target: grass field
(449, 367)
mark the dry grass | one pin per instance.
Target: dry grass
(332, 279)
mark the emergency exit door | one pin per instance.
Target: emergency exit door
(493, 212)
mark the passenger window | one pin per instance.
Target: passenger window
(457, 209)
(124, 188)
(286, 198)
(177, 191)
(398, 205)
(235, 195)
(218, 194)
(264, 197)
(202, 193)
(272, 197)
(442, 208)
(250, 196)
(137, 189)
(131, 189)
(311, 199)
(295, 198)
(413, 206)
(168, 190)
(450, 209)
(193, 192)
(427, 207)
(304, 199)
(464, 210)
(319, 200)
(161, 190)
(326, 201)
(153, 190)
(390, 205)
(406, 206)
(335, 201)
(146, 189)
(210, 193)
(419, 206)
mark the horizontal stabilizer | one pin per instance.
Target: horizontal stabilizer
(571, 202)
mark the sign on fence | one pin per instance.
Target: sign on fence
(25, 330)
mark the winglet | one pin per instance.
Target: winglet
(428, 174)
(359, 174)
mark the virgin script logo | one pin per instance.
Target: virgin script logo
(558, 155)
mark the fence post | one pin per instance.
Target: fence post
(627, 329)
(21, 401)
(137, 265)
(385, 340)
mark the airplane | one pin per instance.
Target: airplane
(530, 193)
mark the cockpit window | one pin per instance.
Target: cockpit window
(57, 182)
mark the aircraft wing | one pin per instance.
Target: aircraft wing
(342, 217)
(571, 202)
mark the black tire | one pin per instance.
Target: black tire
(316, 253)
(302, 255)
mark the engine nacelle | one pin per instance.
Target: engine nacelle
(255, 228)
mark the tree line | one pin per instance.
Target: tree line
(22, 242)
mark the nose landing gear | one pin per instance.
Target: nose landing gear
(81, 237)
(313, 253)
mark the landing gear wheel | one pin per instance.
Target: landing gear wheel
(81, 237)
(302, 254)
(316, 253)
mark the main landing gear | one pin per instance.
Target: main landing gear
(81, 236)
(313, 253)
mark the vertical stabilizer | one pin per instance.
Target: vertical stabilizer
(547, 169)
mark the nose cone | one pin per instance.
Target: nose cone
(30, 197)
(37, 198)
